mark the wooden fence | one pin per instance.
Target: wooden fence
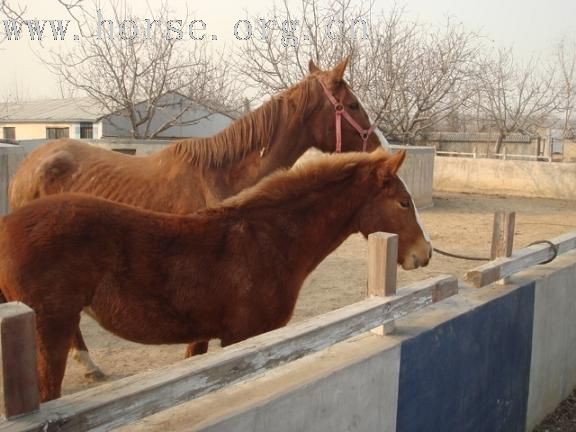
(124, 401)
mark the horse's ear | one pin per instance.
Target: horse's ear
(312, 68)
(338, 71)
(390, 166)
(395, 161)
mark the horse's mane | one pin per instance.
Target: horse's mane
(252, 131)
(294, 183)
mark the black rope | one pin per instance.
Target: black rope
(472, 258)
(464, 257)
(554, 249)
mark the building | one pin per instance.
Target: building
(82, 118)
(49, 119)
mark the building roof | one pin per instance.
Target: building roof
(78, 109)
(52, 111)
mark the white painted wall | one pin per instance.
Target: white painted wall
(509, 177)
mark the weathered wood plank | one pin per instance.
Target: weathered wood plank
(18, 378)
(518, 261)
(503, 237)
(121, 402)
(502, 234)
(382, 270)
(382, 267)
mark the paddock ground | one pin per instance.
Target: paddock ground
(457, 223)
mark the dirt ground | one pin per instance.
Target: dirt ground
(456, 223)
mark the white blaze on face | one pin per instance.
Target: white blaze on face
(426, 237)
(383, 141)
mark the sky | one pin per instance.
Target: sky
(531, 27)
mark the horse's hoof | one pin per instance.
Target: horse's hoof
(95, 376)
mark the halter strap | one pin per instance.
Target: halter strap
(340, 111)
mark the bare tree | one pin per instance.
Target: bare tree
(566, 57)
(409, 76)
(428, 76)
(131, 66)
(276, 55)
(515, 97)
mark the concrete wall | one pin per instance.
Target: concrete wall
(485, 148)
(519, 178)
(417, 171)
(495, 359)
(140, 147)
(569, 151)
(10, 158)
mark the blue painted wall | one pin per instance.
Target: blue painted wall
(470, 374)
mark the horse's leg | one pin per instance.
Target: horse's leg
(53, 342)
(81, 355)
(195, 348)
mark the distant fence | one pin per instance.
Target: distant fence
(482, 144)
(505, 177)
(503, 156)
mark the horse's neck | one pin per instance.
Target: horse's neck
(285, 149)
(278, 146)
(316, 228)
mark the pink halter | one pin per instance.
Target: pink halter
(340, 111)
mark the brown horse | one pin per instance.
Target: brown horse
(195, 173)
(228, 272)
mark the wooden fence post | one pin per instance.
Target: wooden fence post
(503, 236)
(382, 258)
(18, 378)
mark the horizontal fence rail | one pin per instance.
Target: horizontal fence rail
(519, 260)
(126, 400)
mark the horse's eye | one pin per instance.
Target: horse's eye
(354, 106)
(405, 203)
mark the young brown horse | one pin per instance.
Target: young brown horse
(228, 273)
(195, 173)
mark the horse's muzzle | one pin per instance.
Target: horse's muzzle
(418, 257)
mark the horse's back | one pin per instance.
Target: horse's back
(62, 239)
(45, 166)
(57, 166)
